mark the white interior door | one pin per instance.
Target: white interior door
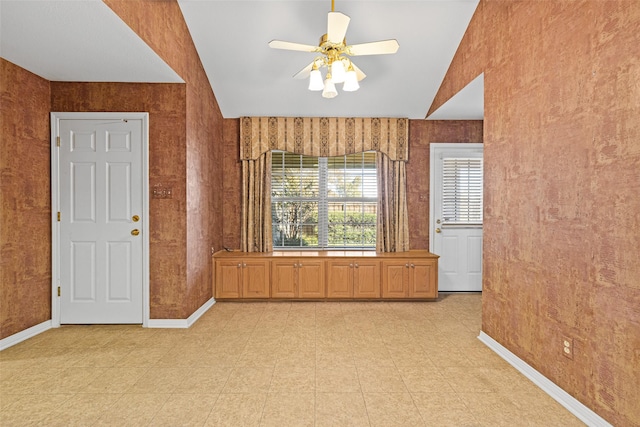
(101, 250)
(456, 215)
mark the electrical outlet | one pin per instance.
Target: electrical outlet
(567, 347)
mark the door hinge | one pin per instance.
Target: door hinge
(58, 290)
(57, 141)
(58, 216)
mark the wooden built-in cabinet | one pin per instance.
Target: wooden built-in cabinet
(409, 278)
(353, 278)
(326, 275)
(242, 278)
(297, 278)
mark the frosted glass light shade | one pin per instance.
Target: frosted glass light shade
(337, 72)
(329, 89)
(315, 80)
(351, 82)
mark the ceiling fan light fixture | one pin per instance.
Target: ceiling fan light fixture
(337, 71)
(351, 81)
(335, 54)
(329, 88)
(315, 80)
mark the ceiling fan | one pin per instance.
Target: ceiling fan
(335, 55)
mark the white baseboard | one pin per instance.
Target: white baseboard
(182, 323)
(574, 406)
(14, 339)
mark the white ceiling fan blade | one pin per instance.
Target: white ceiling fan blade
(305, 72)
(359, 73)
(382, 47)
(279, 44)
(337, 27)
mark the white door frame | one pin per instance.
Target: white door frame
(432, 180)
(55, 205)
(432, 183)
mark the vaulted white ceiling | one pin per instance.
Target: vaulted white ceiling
(84, 40)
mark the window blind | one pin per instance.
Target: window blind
(462, 182)
(324, 202)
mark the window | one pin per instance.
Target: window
(462, 191)
(324, 202)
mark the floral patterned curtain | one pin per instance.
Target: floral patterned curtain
(393, 220)
(324, 137)
(256, 204)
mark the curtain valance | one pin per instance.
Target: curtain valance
(324, 136)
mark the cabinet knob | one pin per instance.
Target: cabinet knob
(300, 265)
(356, 265)
(295, 265)
(406, 265)
(350, 265)
(239, 265)
(413, 266)
(244, 264)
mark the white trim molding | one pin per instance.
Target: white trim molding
(572, 404)
(17, 338)
(181, 323)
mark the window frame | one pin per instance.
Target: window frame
(323, 202)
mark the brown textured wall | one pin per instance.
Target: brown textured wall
(166, 106)
(421, 134)
(161, 25)
(562, 175)
(25, 200)
(232, 184)
(470, 58)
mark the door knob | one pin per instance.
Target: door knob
(135, 232)
(438, 230)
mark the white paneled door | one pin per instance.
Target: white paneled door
(456, 215)
(100, 225)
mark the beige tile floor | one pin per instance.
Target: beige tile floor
(276, 364)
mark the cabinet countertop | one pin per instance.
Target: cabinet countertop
(326, 254)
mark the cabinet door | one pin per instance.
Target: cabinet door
(229, 278)
(255, 279)
(422, 283)
(283, 278)
(395, 278)
(339, 279)
(311, 279)
(366, 279)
